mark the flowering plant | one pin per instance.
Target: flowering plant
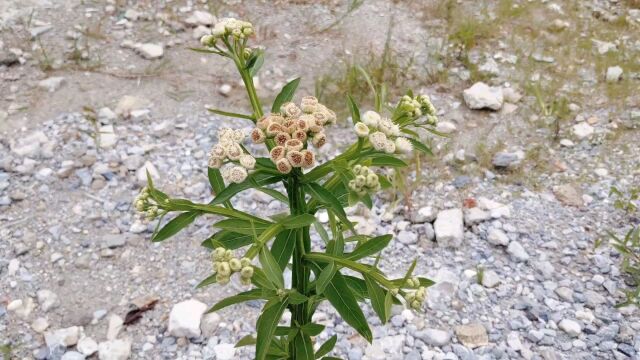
(293, 133)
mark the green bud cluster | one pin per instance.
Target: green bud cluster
(419, 106)
(416, 298)
(145, 205)
(365, 180)
(225, 264)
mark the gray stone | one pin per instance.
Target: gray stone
(572, 328)
(508, 159)
(475, 215)
(51, 84)
(497, 237)
(407, 237)
(114, 350)
(150, 51)
(47, 299)
(517, 251)
(62, 337)
(490, 279)
(482, 96)
(184, 319)
(449, 228)
(434, 337)
(472, 335)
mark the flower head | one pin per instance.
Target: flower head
(378, 140)
(247, 161)
(308, 159)
(309, 104)
(258, 136)
(371, 118)
(403, 145)
(319, 139)
(295, 158)
(282, 138)
(294, 144)
(284, 166)
(290, 109)
(277, 153)
(361, 129)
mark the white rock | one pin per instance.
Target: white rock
(14, 305)
(481, 96)
(200, 18)
(435, 337)
(51, 84)
(407, 237)
(604, 47)
(497, 237)
(87, 346)
(150, 51)
(141, 174)
(132, 14)
(475, 215)
(114, 350)
(602, 172)
(65, 337)
(566, 143)
(106, 115)
(115, 325)
(517, 251)
(129, 103)
(513, 340)
(446, 127)
(225, 351)
(490, 279)
(209, 324)
(107, 137)
(200, 31)
(614, 74)
(582, 130)
(572, 328)
(184, 319)
(47, 299)
(72, 355)
(30, 145)
(425, 214)
(40, 324)
(225, 89)
(449, 228)
(14, 266)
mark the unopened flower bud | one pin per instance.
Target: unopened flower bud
(246, 272)
(208, 40)
(319, 139)
(390, 147)
(361, 129)
(235, 265)
(247, 161)
(403, 145)
(290, 109)
(283, 166)
(309, 104)
(371, 118)
(245, 262)
(223, 268)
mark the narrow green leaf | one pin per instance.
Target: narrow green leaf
(274, 194)
(420, 146)
(259, 279)
(215, 180)
(327, 346)
(270, 267)
(321, 231)
(377, 296)
(297, 221)
(255, 61)
(285, 95)
(387, 160)
(341, 297)
(370, 247)
(282, 247)
(253, 294)
(296, 298)
(229, 240)
(312, 329)
(255, 180)
(303, 347)
(266, 326)
(211, 279)
(244, 227)
(175, 225)
(204, 51)
(353, 108)
(425, 282)
(231, 114)
(325, 277)
(246, 341)
(324, 196)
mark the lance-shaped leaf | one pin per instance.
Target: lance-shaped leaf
(255, 61)
(377, 296)
(175, 225)
(341, 297)
(297, 221)
(323, 196)
(312, 329)
(270, 267)
(253, 294)
(386, 160)
(228, 239)
(267, 324)
(231, 114)
(325, 277)
(215, 180)
(285, 95)
(369, 247)
(353, 108)
(303, 347)
(420, 146)
(246, 227)
(283, 246)
(211, 279)
(246, 341)
(327, 347)
(255, 180)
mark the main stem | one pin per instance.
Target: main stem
(300, 272)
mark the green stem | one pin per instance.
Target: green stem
(300, 272)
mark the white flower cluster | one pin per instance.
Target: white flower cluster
(229, 26)
(416, 298)
(228, 150)
(383, 134)
(225, 264)
(291, 130)
(145, 205)
(365, 180)
(419, 106)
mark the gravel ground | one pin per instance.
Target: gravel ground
(519, 277)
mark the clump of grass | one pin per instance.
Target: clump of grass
(479, 274)
(551, 105)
